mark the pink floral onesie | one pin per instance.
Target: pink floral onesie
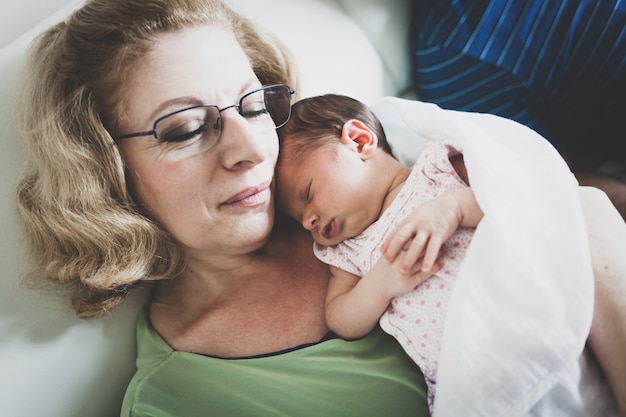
(415, 319)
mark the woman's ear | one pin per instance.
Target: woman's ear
(359, 137)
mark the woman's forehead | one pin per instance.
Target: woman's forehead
(204, 55)
(204, 63)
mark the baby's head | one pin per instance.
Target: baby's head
(323, 144)
(318, 121)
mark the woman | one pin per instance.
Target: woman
(128, 188)
(236, 324)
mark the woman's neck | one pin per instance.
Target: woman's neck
(225, 276)
(278, 290)
(214, 276)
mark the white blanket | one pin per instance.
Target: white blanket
(522, 307)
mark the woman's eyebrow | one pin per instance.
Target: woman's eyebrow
(179, 101)
(192, 100)
(249, 84)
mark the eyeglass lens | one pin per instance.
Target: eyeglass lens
(269, 105)
(278, 104)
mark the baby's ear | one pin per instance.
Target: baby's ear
(359, 137)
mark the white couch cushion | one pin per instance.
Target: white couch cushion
(335, 54)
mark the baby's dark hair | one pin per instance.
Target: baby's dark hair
(318, 120)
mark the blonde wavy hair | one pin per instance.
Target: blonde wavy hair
(83, 227)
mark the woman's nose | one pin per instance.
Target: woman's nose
(242, 143)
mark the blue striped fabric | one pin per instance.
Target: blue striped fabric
(558, 66)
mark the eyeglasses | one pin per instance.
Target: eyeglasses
(199, 127)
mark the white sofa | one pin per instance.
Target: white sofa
(55, 365)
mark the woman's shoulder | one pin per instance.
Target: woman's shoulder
(152, 353)
(152, 349)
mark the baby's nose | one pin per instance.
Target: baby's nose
(310, 222)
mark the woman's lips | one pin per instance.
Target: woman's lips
(250, 197)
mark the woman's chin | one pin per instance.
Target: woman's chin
(257, 230)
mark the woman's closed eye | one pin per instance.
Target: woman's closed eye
(189, 130)
(255, 113)
(254, 108)
(184, 135)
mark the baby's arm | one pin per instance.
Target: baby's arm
(607, 240)
(354, 305)
(430, 225)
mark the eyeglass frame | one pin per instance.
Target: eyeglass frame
(238, 105)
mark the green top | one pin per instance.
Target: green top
(367, 377)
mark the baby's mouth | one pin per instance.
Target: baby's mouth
(328, 231)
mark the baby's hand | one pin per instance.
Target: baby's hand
(388, 280)
(423, 233)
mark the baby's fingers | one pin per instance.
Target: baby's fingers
(396, 241)
(414, 251)
(432, 252)
(418, 275)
